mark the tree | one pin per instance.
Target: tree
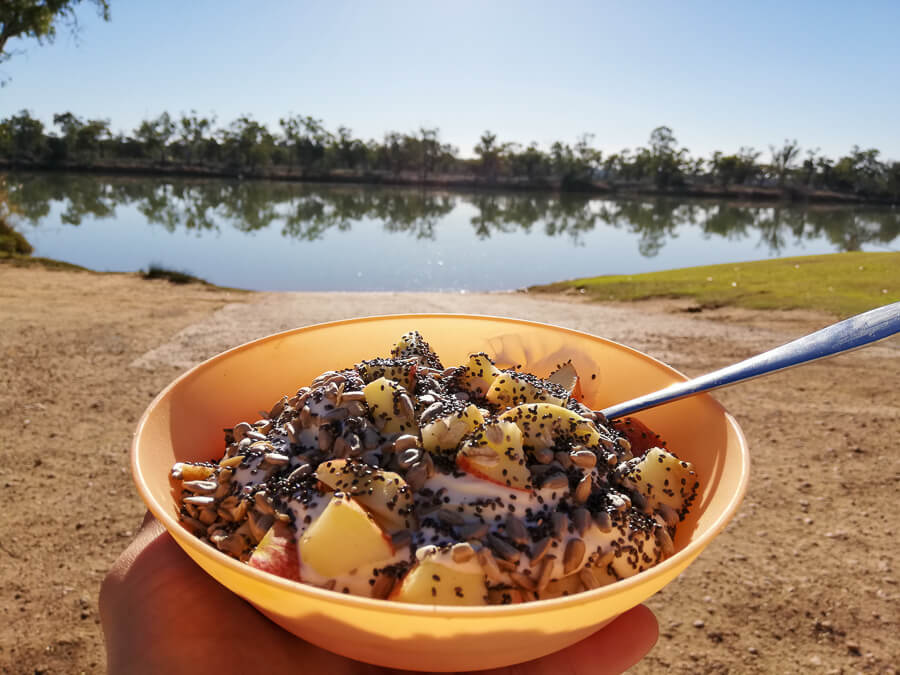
(192, 133)
(39, 19)
(489, 152)
(155, 134)
(783, 158)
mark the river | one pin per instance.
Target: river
(290, 236)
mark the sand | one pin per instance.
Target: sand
(804, 579)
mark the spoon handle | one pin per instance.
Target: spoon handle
(853, 333)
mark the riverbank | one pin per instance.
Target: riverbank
(451, 181)
(803, 579)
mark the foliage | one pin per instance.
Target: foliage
(304, 146)
(11, 240)
(39, 19)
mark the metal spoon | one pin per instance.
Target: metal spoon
(853, 333)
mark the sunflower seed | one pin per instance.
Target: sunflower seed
(564, 458)
(406, 405)
(341, 448)
(450, 517)
(561, 525)
(207, 516)
(489, 565)
(240, 431)
(199, 500)
(200, 486)
(401, 538)
(371, 438)
(584, 459)
(473, 530)
(462, 552)
(581, 518)
(555, 481)
(405, 442)
(416, 476)
(372, 458)
(262, 503)
(665, 541)
(583, 489)
(408, 457)
(255, 435)
(603, 521)
(353, 396)
(540, 549)
(353, 444)
(336, 415)
(260, 524)
(384, 584)
(300, 472)
(574, 555)
(503, 549)
(356, 408)
(623, 443)
(326, 439)
(194, 472)
(429, 465)
(516, 530)
(276, 458)
(611, 460)
(305, 417)
(587, 578)
(523, 581)
(546, 573)
(430, 412)
(543, 455)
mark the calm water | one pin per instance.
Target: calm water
(286, 236)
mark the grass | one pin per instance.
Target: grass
(12, 241)
(841, 284)
(156, 271)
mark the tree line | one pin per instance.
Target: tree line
(303, 147)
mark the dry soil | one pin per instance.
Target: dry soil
(805, 579)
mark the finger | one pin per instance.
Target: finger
(610, 651)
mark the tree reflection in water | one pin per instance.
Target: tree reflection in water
(308, 212)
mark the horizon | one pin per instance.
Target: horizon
(402, 66)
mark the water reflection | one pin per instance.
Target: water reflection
(308, 212)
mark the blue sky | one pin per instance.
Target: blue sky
(720, 74)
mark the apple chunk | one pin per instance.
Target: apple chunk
(542, 423)
(390, 406)
(432, 583)
(494, 452)
(276, 552)
(343, 538)
(444, 432)
(384, 493)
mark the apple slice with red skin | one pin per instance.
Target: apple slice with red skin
(276, 552)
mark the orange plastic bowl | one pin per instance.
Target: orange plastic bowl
(185, 423)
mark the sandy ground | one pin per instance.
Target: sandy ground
(805, 579)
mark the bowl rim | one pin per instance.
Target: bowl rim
(694, 547)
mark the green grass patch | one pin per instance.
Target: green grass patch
(841, 284)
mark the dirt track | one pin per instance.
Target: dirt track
(805, 579)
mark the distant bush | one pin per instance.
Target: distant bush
(155, 271)
(12, 241)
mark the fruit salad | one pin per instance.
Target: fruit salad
(401, 479)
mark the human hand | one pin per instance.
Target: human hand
(162, 613)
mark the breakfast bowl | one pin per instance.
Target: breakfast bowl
(184, 424)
